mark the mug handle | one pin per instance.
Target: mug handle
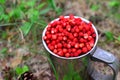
(107, 58)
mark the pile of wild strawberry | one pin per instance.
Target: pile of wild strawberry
(69, 36)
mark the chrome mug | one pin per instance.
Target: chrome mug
(70, 67)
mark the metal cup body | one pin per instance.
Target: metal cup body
(73, 66)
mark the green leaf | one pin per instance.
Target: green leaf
(94, 7)
(109, 36)
(44, 11)
(66, 77)
(33, 15)
(16, 13)
(4, 18)
(77, 77)
(18, 70)
(85, 61)
(31, 3)
(117, 16)
(25, 68)
(4, 34)
(1, 10)
(26, 28)
(52, 4)
(114, 3)
(53, 67)
(41, 5)
(2, 1)
(54, 7)
(71, 69)
(3, 51)
(118, 38)
(22, 70)
(70, 74)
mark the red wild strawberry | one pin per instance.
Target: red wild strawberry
(80, 27)
(81, 34)
(53, 24)
(53, 42)
(74, 50)
(71, 36)
(47, 32)
(68, 27)
(60, 29)
(93, 35)
(67, 55)
(69, 50)
(51, 47)
(55, 46)
(55, 51)
(65, 50)
(85, 40)
(75, 34)
(68, 46)
(58, 49)
(60, 38)
(85, 35)
(84, 50)
(65, 45)
(72, 43)
(72, 55)
(60, 53)
(90, 38)
(63, 24)
(61, 17)
(71, 16)
(49, 36)
(59, 45)
(52, 30)
(77, 29)
(78, 51)
(77, 45)
(64, 38)
(90, 24)
(47, 41)
(91, 43)
(49, 25)
(45, 37)
(54, 36)
(76, 54)
(87, 27)
(48, 28)
(92, 30)
(72, 30)
(81, 45)
(89, 33)
(81, 40)
(88, 47)
(75, 40)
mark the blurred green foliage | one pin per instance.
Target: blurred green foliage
(114, 6)
(94, 7)
(109, 36)
(72, 74)
(28, 14)
(118, 38)
(3, 51)
(21, 70)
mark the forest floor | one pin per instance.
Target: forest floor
(24, 54)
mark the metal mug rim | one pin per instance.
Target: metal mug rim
(87, 21)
